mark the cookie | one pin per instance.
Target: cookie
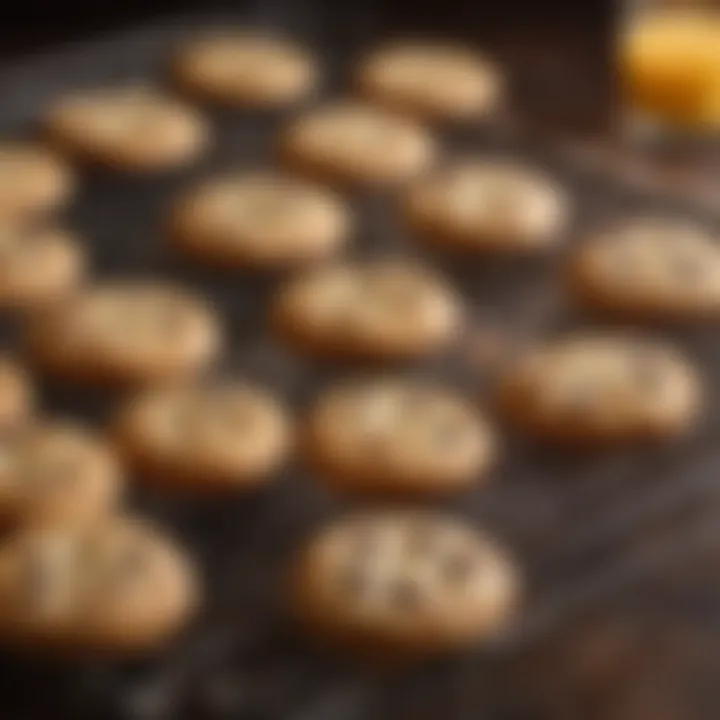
(56, 474)
(37, 265)
(431, 80)
(118, 587)
(653, 268)
(382, 310)
(403, 583)
(16, 395)
(129, 128)
(33, 180)
(353, 143)
(125, 333)
(259, 220)
(487, 206)
(398, 436)
(599, 388)
(245, 69)
(208, 437)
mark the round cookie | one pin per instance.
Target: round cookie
(56, 474)
(398, 436)
(353, 143)
(403, 584)
(119, 587)
(120, 333)
(601, 388)
(129, 128)
(37, 266)
(431, 80)
(16, 395)
(382, 310)
(259, 220)
(245, 69)
(32, 180)
(487, 206)
(209, 437)
(655, 268)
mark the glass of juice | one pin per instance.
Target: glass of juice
(669, 69)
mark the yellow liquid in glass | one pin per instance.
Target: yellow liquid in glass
(670, 67)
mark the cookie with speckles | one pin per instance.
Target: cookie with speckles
(601, 388)
(403, 584)
(398, 436)
(381, 311)
(653, 268)
(119, 587)
(207, 437)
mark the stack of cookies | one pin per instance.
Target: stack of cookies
(397, 578)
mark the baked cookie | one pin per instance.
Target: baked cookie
(601, 388)
(37, 265)
(382, 310)
(398, 436)
(56, 473)
(487, 206)
(431, 80)
(130, 128)
(131, 332)
(120, 586)
(354, 143)
(658, 268)
(403, 583)
(16, 395)
(206, 437)
(32, 180)
(246, 69)
(260, 220)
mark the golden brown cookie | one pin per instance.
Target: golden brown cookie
(118, 587)
(349, 142)
(487, 206)
(403, 582)
(654, 268)
(38, 265)
(259, 220)
(431, 80)
(381, 310)
(56, 474)
(246, 69)
(126, 333)
(401, 436)
(209, 437)
(599, 388)
(131, 128)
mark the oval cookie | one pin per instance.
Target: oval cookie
(259, 220)
(403, 582)
(132, 332)
(32, 180)
(487, 206)
(130, 128)
(354, 143)
(601, 388)
(57, 474)
(378, 310)
(398, 436)
(246, 69)
(654, 268)
(16, 395)
(431, 80)
(208, 437)
(38, 266)
(119, 587)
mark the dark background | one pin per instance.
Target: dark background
(559, 52)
